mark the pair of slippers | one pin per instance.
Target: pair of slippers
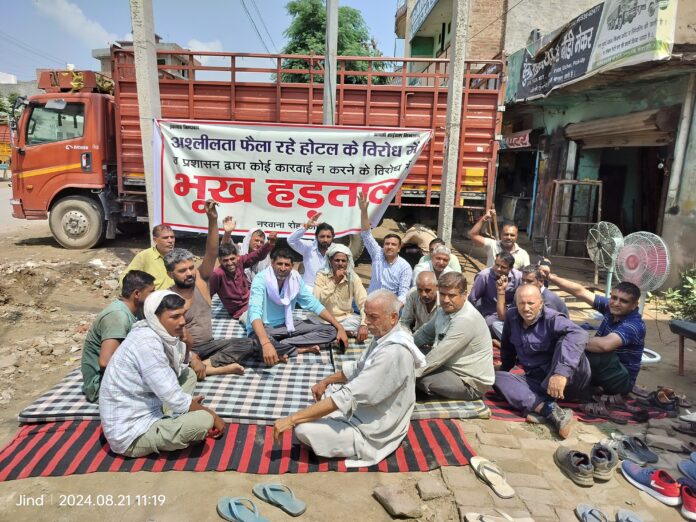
(631, 448)
(243, 509)
(587, 513)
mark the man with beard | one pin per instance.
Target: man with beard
(253, 240)
(507, 243)
(219, 356)
(551, 350)
(274, 294)
(389, 271)
(438, 264)
(493, 291)
(151, 260)
(616, 351)
(111, 327)
(229, 280)
(314, 253)
(421, 302)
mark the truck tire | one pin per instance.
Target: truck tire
(77, 222)
(355, 243)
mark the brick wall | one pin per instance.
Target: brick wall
(486, 28)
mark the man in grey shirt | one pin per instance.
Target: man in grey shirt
(421, 302)
(460, 362)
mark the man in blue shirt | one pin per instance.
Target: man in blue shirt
(616, 350)
(274, 293)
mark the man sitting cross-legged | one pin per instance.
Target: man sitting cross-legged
(274, 294)
(151, 260)
(493, 291)
(313, 253)
(229, 280)
(421, 302)
(111, 327)
(389, 271)
(439, 263)
(453, 262)
(533, 275)
(507, 243)
(460, 362)
(338, 287)
(363, 411)
(148, 374)
(551, 350)
(615, 352)
(222, 356)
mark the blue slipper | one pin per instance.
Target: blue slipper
(280, 496)
(688, 468)
(624, 515)
(239, 509)
(587, 513)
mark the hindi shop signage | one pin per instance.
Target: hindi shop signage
(613, 34)
(275, 177)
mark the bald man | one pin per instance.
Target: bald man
(551, 349)
(421, 302)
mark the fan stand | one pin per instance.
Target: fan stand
(649, 356)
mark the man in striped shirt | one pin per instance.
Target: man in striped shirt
(389, 271)
(615, 352)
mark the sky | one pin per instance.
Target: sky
(52, 33)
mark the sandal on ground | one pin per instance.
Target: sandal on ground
(616, 402)
(239, 509)
(625, 515)
(599, 411)
(280, 496)
(637, 447)
(504, 517)
(493, 476)
(688, 428)
(587, 513)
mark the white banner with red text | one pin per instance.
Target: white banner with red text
(275, 177)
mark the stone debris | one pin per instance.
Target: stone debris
(397, 502)
(430, 488)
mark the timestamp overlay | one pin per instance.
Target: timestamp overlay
(90, 500)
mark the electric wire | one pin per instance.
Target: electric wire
(256, 8)
(253, 24)
(495, 20)
(29, 49)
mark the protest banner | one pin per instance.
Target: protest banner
(275, 177)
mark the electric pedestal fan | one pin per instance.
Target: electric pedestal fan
(604, 240)
(644, 260)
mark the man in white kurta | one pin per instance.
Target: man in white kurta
(366, 407)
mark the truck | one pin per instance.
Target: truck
(77, 154)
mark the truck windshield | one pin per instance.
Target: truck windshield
(49, 125)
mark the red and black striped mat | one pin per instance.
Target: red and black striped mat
(78, 447)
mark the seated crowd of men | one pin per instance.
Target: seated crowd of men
(430, 336)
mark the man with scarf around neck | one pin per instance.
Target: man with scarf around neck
(314, 253)
(337, 287)
(210, 356)
(252, 241)
(111, 327)
(363, 412)
(147, 375)
(274, 294)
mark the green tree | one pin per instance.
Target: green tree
(306, 35)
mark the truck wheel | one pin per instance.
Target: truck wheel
(77, 222)
(354, 243)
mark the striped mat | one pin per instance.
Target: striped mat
(79, 447)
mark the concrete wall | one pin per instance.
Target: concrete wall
(545, 15)
(22, 88)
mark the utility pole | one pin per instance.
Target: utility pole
(330, 61)
(147, 79)
(457, 67)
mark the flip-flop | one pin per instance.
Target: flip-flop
(634, 447)
(493, 476)
(280, 496)
(587, 513)
(478, 517)
(688, 468)
(625, 515)
(237, 509)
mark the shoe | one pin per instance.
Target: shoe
(686, 481)
(688, 468)
(575, 465)
(664, 400)
(655, 482)
(561, 419)
(604, 460)
(688, 496)
(637, 448)
(688, 416)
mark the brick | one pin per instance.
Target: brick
(537, 495)
(499, 440)
(540, 444)
(458, 478)
(527, 480)
(540, 510)
(518, 465)
(494, 426)
(589, 438)
(472, 498)
(506, 503)
(430, 488)
(496, 453)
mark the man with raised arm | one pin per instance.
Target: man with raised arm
(229, 280)
(151, 260)
(313, 253)
(507, 243)
(533, 275)
(363, 412)
(616, 351)
(212, 356)
(270, 322)
(421, 302)
(389, 271)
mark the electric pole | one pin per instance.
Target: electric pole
(457, 68)
(147, 79)
(330, 62)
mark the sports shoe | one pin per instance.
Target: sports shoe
(688, 496)
(561, 419)
(575, 465)
(688, 416)
(655, 482)
(604, 460)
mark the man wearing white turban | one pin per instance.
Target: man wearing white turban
(149, 374)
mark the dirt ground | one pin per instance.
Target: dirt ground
(48, 297)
